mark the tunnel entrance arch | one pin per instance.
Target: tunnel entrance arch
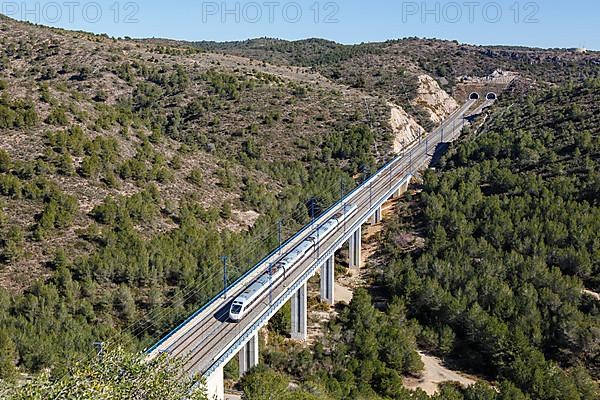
(474, 96)
(491, 96)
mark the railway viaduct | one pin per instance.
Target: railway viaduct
(207, 340)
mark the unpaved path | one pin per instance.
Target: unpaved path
(435, 373)
(343, 293)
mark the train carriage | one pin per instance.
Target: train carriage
(259, 288)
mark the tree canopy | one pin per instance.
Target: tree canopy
(114, 375)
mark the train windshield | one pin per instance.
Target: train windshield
(236, 308)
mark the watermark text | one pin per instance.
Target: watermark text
(471, 11)
(270, 11)
(71, 11)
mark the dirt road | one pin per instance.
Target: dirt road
(435, 373)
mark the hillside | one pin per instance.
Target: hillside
(129, 168)
(101, 117)
(391, 69)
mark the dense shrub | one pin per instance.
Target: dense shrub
(16, 114)
(510, 245)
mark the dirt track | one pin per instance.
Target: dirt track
(435, 373)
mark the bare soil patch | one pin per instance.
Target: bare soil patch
(434, 373)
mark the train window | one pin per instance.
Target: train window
(236, 308)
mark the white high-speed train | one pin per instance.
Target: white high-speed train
(244, 302)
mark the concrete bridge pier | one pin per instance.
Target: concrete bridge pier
(376, 218)
(299, 314)
(402, 189)
(248, 356)
(328, 281)
(215, 387)
(355, 248)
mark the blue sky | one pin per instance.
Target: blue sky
(547, 23)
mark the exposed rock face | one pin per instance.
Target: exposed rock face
(405, 128)
(499, 76)
(242, 220)
(434, 100)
